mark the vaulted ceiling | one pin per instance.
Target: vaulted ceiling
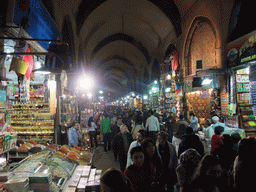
(118, 38)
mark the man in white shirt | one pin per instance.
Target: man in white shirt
(141, 134)
(152, 126)
(215, 121)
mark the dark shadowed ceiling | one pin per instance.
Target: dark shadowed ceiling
(119, 37)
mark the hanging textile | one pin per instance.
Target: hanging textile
(175, 60)
(29, 59)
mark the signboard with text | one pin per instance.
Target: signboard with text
(241, 50)
(224, 103)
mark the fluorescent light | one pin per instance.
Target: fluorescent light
(145, 97)
(154, 89)
(206, 81)
(168, 89)
(43, 72)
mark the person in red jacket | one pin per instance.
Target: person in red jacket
(141, 176)
(216, 138)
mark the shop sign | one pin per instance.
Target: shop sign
(232, 121)
(241, 50)
(224, 103)
(2, 95)
(40, 23)
(204, 93)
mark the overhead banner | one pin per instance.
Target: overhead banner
(241, 50)
(39, 22)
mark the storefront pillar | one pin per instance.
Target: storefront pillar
(57, 129)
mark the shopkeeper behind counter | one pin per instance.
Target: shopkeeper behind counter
(74, 135)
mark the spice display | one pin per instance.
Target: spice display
(32, 121)
(72, 155)
(23, 148)
(64, 149)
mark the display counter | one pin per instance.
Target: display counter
(49, 170)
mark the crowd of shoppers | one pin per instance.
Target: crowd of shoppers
(152, 161)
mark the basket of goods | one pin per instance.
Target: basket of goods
(60, 155)
(73, 157)
(75, 150)
(52, 146)
(23, 148)
(85, 156)
(33, 142)
(64, 149)
(78, 148)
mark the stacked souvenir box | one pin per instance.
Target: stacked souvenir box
(40, 182)
(18, 183)
(84, 179)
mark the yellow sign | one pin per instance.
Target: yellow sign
(19, 66)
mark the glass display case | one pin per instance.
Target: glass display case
(46, 168)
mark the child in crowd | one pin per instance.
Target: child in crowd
(216, 138)
(115, 181)
(141, 176)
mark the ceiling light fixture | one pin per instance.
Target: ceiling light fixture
(207, 80)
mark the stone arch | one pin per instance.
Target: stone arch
(84, 10)
(122, 37)
(196, 24)
(171, 10)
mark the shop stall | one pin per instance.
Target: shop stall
(172, 98)
(171, 91)
(205, 100)
(241, 57)
(29, 105)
